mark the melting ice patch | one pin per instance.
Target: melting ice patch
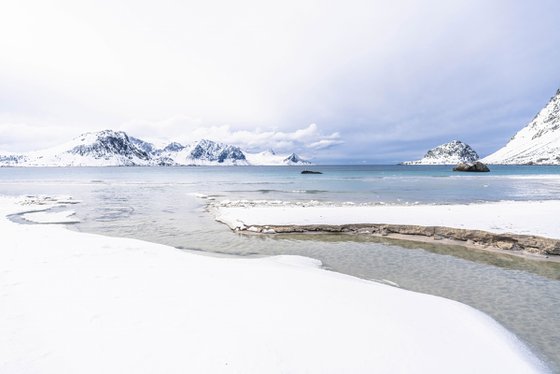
(67, 216)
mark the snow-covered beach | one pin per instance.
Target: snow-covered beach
(528, 218)
(75, 302)
(518, 217)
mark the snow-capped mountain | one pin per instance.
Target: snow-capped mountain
(203, 152)
(104, 148)
(450, 153)
(294, 159)
(271, 158)
(537, 143)
(116, 148)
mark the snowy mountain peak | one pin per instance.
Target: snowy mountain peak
(209, 150)
(149, 148)
(174, 147)
(450, 153)
(106, 144)
(537, 143)
(295, 159)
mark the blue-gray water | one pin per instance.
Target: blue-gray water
(158, 204)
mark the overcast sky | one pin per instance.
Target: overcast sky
(341, 81)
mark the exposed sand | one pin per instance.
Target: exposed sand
(529, 226)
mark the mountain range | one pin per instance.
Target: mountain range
(538, 143)
(116, 148)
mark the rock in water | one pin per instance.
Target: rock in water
(310, 172)
(475, 167)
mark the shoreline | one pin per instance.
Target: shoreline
(525, 246)
(74, 293)
(522, 228)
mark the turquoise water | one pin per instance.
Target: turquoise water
(362, 184)
(160, 205)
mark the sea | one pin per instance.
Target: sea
(169, 205)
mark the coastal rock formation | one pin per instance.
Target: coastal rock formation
(450, 153)
(538, 143)
(472, 167)
(508, 242)
(310, 172)
(116, 148)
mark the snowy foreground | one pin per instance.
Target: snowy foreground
(79, 303)
(516, 217)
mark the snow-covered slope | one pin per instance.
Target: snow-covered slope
(294, 159)
(450, 153)
(271, 158)
(104, 148)
(116, 148)
(536, 143)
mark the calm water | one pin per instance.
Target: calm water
(159, 204)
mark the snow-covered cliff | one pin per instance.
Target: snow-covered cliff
(537, 143)
(116, 148)
(450, 153)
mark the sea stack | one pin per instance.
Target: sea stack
(472, 167)
(450, 153)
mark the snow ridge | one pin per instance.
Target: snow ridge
(538, 143)
(450, 153)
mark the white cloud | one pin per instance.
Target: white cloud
(325, 143)
(186, 130)
(21, 137)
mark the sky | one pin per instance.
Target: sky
(335, 81)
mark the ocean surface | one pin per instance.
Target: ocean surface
(163, 205)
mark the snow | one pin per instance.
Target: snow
(450, 153)
(82, 303)
(536, 143)
(517, 217)
(270, 158)
(116, 148)
(265, 158)
(61, 155)
(67, 216)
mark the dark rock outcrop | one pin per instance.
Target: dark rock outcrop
(508, 242)
(310, 172)
(472, 167)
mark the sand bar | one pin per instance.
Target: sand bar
(520, 223)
